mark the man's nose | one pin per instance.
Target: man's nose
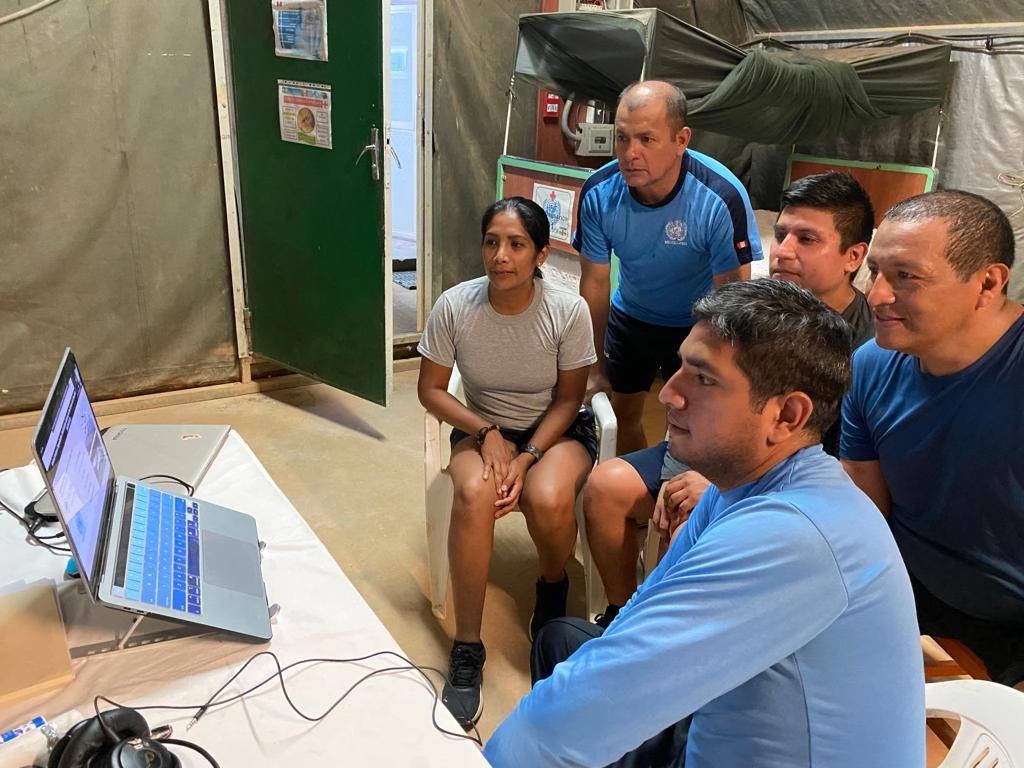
(879, 292)
(670, 394)
(785, 247)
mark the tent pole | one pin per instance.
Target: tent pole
(508, 113)
(938, 132)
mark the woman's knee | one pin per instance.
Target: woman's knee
(473, 496)
(550, 502)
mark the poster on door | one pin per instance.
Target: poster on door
(300, 29)
(305, 112)
(557, 204)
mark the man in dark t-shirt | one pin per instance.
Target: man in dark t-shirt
(932, 424)
(821, 238)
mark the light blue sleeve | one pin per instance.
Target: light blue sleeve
(709, 623)
(590, 239)
(684, 540)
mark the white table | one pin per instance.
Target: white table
(384, 722)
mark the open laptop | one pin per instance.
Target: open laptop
(139, 548)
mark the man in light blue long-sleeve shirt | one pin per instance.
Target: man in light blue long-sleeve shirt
(781, 617)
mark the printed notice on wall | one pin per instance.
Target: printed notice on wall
(305, 112)
(300, 29)
(557, 204)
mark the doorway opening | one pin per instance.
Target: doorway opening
(406, 202)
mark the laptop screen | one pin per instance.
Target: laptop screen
(78, 470)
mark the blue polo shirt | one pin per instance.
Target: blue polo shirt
(781, 617)
(951, 449)
(667, 252)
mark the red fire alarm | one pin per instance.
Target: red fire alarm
(552, 105)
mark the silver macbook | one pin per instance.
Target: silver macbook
(140, 548)
(165, 455)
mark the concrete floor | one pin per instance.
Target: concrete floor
(355, 472)
(403, 307)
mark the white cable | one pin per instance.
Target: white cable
(25, 11)
(1015, 179)
(564, 123)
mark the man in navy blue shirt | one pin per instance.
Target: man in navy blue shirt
(781, 617)
(933, 427)
(680, 224)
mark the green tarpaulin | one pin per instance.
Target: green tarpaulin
(762, 95)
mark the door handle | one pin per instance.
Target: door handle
(374, 149)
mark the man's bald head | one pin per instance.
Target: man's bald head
(644, 92)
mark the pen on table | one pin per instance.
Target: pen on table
(31, 725)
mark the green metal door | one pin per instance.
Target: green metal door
(312, 218)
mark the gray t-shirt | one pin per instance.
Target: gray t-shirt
(509, 363)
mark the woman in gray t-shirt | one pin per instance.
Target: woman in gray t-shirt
(524, 348)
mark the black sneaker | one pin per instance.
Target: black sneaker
(551, 599)
(462, 693)
(604, 619)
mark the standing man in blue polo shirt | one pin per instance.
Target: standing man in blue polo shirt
(681, 225)
(933, 425)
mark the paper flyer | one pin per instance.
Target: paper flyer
(300, 29)
(305, 112)
(557, 204)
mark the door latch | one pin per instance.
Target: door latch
(374, 149)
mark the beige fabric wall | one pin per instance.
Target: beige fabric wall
(112, 233)
(474, 47)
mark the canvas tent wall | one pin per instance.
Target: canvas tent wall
(112, 224)
(765, 95)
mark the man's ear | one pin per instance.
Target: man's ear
(993, 279)
(683, 139)
(855, 257)
(794, 410)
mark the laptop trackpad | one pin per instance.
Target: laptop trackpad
(231, 563)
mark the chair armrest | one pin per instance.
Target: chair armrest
(455, 383)
(607, 426)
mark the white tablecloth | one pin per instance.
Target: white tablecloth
(385, 722)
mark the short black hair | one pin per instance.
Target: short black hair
(675, 102)
(978, 232)
(840, 193)
(784, 340)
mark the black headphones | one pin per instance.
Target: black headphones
(121, 740)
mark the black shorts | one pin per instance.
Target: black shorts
(635, 352)
(1000, 646)
(583, 430)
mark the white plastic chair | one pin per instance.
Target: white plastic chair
(990, 717)
(439, 493)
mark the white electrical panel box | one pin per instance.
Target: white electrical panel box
(596, 140)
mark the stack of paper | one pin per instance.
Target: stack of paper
(33, 650)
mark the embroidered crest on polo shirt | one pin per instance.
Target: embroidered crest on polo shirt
(675, 232)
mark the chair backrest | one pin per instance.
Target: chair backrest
(990, 715)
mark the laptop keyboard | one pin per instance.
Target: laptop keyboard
(162, 563)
